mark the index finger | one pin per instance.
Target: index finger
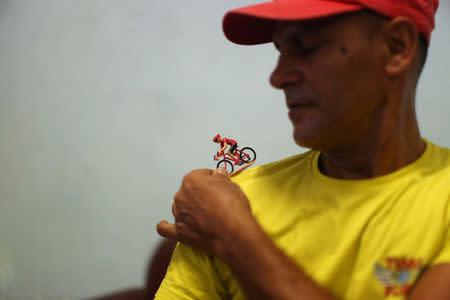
(220, 171)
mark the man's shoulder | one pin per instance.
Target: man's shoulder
(278, 169)
(439, 159)
(440, 152)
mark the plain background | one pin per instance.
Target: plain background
(106, 104)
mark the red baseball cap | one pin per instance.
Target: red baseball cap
(252, 25)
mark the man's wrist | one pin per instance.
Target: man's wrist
(242, 234)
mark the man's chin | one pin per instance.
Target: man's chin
(311, 141)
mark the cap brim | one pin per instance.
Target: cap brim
(252, 25)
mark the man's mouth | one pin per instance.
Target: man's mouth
(299, 103)
(298, 107)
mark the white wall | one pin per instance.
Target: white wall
(105, 105)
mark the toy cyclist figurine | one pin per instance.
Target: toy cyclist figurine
(245, 156)
(224, 142)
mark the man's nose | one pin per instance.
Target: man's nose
(285, 73)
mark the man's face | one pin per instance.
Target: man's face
(329, 70)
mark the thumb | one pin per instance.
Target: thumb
(220, 171)
(167, 230)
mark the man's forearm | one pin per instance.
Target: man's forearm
(264, 271)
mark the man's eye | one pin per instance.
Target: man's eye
(307, 50)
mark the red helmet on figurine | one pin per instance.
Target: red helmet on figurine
(216, 138)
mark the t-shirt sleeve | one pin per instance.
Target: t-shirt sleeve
(191, 275)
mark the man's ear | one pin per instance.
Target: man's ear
(401, 38)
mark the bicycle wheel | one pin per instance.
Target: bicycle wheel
(227, 165)
(251, 154)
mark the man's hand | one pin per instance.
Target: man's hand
(208, 209)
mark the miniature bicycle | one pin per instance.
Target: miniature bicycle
(241, 156)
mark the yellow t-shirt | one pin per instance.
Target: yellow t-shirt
(359, 239)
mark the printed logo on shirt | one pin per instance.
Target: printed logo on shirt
(398, 274)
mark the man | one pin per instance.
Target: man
(366, 213)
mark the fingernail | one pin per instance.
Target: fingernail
(222, 171)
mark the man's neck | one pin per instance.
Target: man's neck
(392, 144)
(370, 164)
